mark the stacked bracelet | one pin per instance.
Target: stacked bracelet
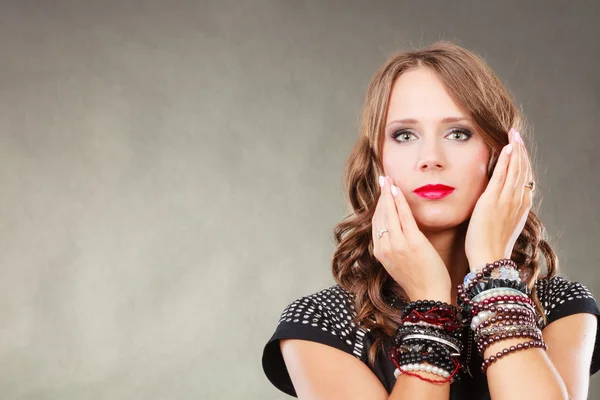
(429, 339)
(500, 308)
(493, 301)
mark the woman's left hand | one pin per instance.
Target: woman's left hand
(501, 211)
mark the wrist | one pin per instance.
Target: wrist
(477, 263)
(443, 296)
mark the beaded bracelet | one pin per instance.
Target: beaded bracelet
(437, 357)
(440, 314)
(464, 290)
(484, 343)
(521, 346)
(430, 333)
(499, 314)
(422, 367)
(498, 292)
(407, 370)
(504, 272)
(504, 329)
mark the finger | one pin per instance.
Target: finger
(514, 171)
(391, 213)
(498, 178)
(528, 176)
(378, 223)
(407, 220)
(520, 188)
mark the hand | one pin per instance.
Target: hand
(406, 254)
(501, 211)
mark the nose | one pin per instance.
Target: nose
(431, 157)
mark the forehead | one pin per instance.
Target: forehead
(420, 94)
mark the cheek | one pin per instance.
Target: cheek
(477, 163)
(478, 178)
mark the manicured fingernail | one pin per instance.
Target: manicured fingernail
(394, 190)
(518, 137)
(381, 181)
(508, 148)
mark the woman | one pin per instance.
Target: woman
(440, 293)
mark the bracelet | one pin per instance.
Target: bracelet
(483, 344)
(464, 290)
(508, 309)
(498, 292)
(504, 329)
(521, 346)
(429, 334)
(436, 339)
(504, 272)
(421, 367)
(481, 286)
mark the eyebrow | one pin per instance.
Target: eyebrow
(414, 121)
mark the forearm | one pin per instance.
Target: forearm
(413, 388)
(527, 374)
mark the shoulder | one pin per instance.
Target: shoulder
(328, 314)
(561, 297)
(324, 317)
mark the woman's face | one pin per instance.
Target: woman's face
(429, 140)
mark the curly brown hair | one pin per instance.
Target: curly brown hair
(471, 84)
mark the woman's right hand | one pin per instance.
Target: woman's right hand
(404, 251)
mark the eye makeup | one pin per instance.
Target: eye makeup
(454, 131)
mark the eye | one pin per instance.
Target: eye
(402, 136)
(457, 133)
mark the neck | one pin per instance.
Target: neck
(450, 245)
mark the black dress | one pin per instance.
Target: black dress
(326, 317)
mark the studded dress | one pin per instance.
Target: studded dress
(326, 317)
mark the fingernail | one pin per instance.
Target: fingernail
(381, 181)
(394, 190)
(508, 148)
(518, 137)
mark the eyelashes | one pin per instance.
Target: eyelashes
(403, 133)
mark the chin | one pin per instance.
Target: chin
(438, 218)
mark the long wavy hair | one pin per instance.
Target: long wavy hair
(472, 85)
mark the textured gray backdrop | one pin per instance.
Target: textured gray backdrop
(170, 172)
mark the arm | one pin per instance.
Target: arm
(320, 372)
(561, 373)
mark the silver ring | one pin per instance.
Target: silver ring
(381, 232)
(531, 185)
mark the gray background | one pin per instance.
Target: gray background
(170, 172)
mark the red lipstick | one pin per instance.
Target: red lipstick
(434, 192)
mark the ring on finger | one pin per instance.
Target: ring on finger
(531, 185)
(381, 232)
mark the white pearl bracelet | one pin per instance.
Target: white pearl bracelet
(480, 318)
(422, 367)
(488, 294)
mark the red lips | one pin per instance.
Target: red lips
(434, 192)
